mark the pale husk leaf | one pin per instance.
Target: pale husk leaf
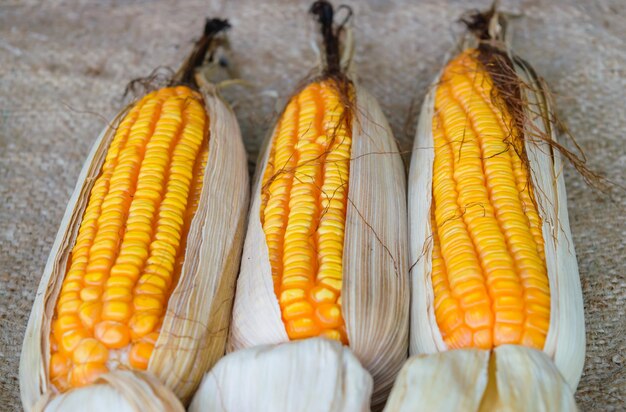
(256, 316)
(449, 381)
(510, 378)
(375, 292)
(526, 380)
(195, 327)
(565, 342)
(425, 336)
(120, 391)
(375, 285)
(307, 375)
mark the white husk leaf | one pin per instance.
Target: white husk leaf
(510, 378)
(528, 381)
(375, 289)
(375, 286)
(565, 342)
(424, 338)
(450, 381)
(120, 391)
(256, 316)
(195, 327)
(307, 375)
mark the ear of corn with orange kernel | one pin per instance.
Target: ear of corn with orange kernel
(326, 249)
(141, 275)
(493, 263)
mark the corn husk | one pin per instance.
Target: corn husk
(565, 342)
(308, 375)
(375, 290)
(122, 391)
(375, 296)
(511, 378)
(194, 331)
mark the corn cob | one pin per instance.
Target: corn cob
(325, 252)
(303, 211)
(128, 252)
(488, 272)
(142, 273)
(494, 264)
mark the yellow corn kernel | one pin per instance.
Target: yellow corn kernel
(90, 350)
(320, 294)
(144, 322)
(86, 373)
(329, 315)
(131, 240)
(114, 335)
(90, 314)
(288, 296)
(140, 354)
(69, 340)
(488, 270)
(59, 365)
(304, 201)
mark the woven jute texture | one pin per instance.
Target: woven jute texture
(64, 66)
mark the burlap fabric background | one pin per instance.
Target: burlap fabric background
(63, 68)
